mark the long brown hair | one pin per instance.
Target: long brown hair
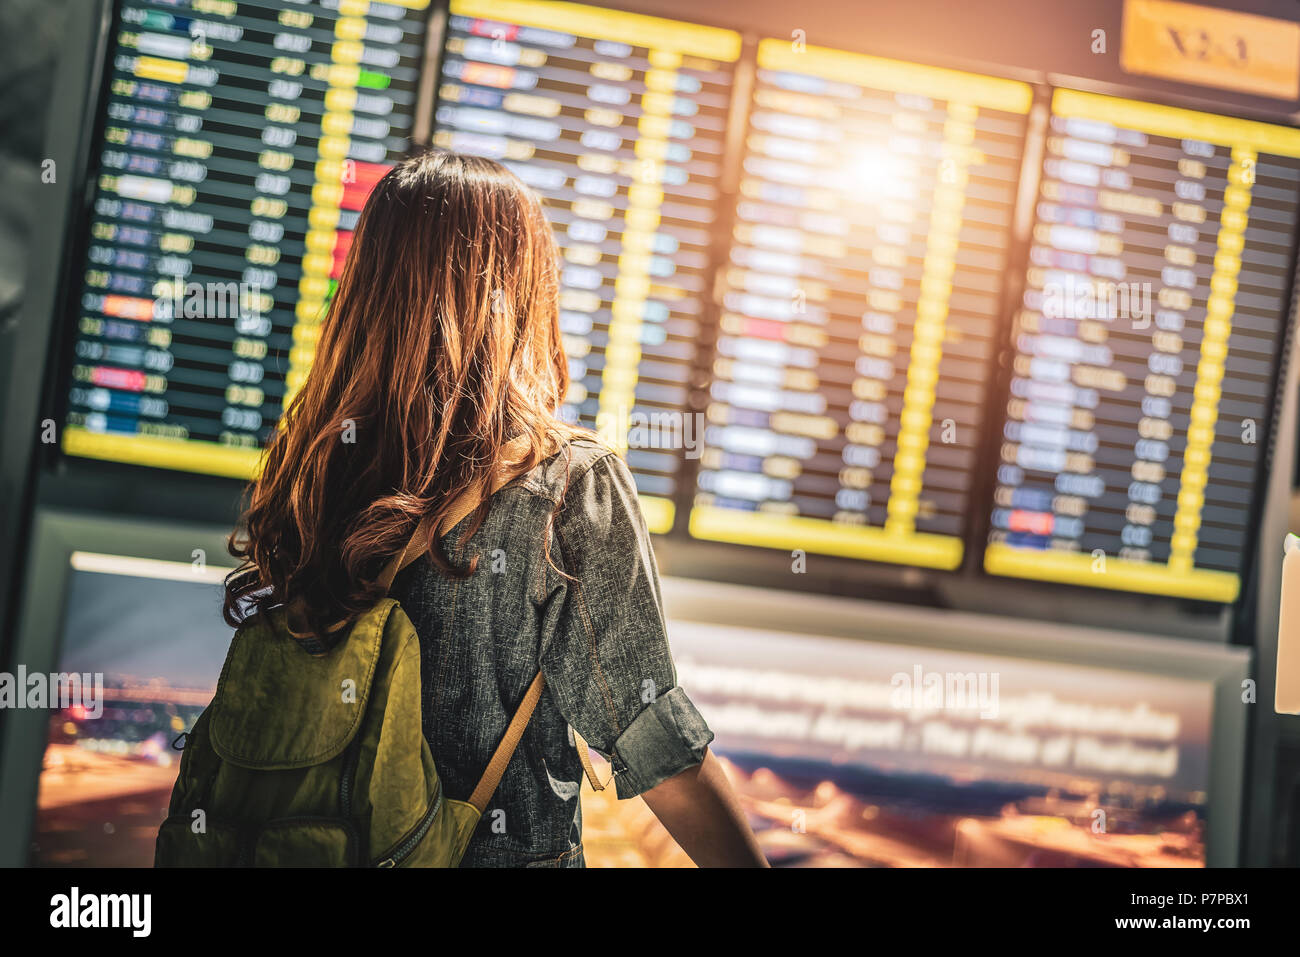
(441, 344)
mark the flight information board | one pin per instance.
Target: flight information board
(860, 310)
(240, 141)
(850, 407)
(1145, 348)
(618, 121)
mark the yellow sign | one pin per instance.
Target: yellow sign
(1219, 48)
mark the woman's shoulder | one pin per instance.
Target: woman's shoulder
(563, 468)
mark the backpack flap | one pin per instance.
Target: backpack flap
(278, 708)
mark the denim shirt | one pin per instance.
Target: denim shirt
(597, 635)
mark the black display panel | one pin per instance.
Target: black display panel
(239, 142)
(860, 307)
(618, 121)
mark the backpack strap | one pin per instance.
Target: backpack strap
(414, 549)
(469, 500)
(411, 552)
(487, 784)
(295, 620)
(512, 455)
(491, 778)
(584, 757)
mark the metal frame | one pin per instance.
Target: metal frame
(28, 340)
(1267, 727)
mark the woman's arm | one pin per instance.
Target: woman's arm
(703, 814)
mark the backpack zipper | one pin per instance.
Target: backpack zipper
(350, 761)
(403, 850)
(351, 758)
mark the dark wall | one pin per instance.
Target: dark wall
(29, 37)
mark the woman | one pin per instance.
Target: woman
(433, 397)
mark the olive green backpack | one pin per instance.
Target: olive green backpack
(308, 760)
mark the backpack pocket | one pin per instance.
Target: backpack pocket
(306, 842)
(179, 846)
(285, 842)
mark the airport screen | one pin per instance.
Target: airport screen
(239, 143)
(618, 122)
(844, 752)
(1145, 348)
(860, 307)
(821, 301)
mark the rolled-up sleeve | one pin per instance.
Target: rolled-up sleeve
(605, 652)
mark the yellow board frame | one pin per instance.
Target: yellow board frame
(636, 29)
(1112, 574)
(798, 532)
(956, 86)
(1175, 122)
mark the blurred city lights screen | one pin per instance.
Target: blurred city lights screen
(1005, 762)
(852, 753)
(146, 639)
